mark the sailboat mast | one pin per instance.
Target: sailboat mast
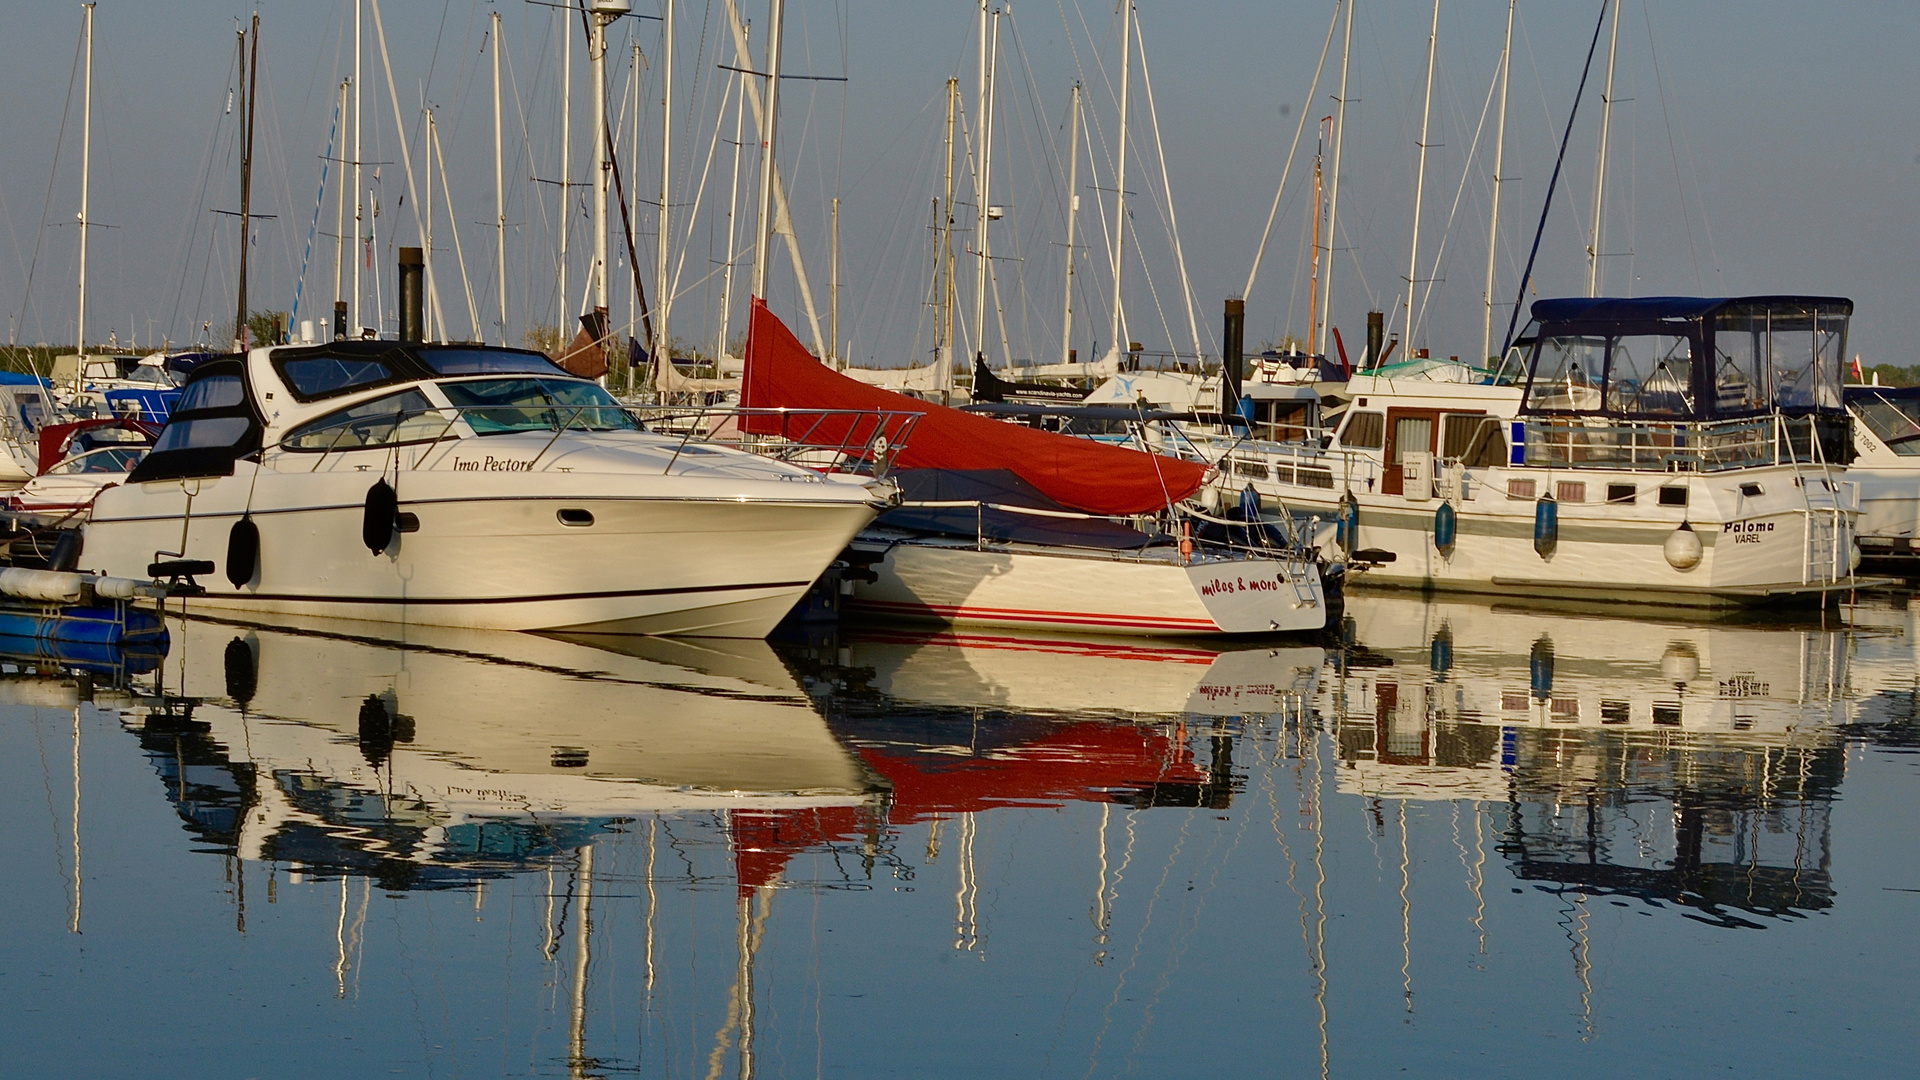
(355, 319)
(597, 71)
(1319, 212)
(1073, 218)
(426, 235)
(662, 290)
(1499, 161)
(250, 74)
(833, 291)
(1420, 174)
(763, 235)
(943, 355)
(633, 215)
(1600, 170)
(1119, 345)
(499, 183)
(566, 158)
(733, 209)
(1333, 197)
(340, 221)
(86, 180)
(983, 180)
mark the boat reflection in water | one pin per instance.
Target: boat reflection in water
(462, 754)
(1692, 764)
(632, 820)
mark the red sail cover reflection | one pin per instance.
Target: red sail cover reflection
(1077, 761)
(1088, 476)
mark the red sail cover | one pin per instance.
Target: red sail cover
(1089, 476)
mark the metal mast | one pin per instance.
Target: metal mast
(1073, 218)
(566, 158)
(340, 219)
(1600, 171)
(733, 209)
(1499, 160)
(1420, 174)
(499, 184)
(354, 319)
(86, 182)
(763, 234)
(662, 289)
(1333, 199)
(250, 69)
(1117, 326)
(943, 353)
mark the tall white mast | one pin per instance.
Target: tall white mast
(633, 214)
(499, 184)
(1333, 198)
(426, 235)
(662, 289)
(769, 162)
(354, 318)
(733, 209)
(982, 182)
(1118, 324)
(1420, 174)
(1499, 161)
(943, 352)
(1600, 171)
(339, 221)
(1073, 218)
(566, 160)
(86, 181)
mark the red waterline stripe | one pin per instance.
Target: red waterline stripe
(1068, 617)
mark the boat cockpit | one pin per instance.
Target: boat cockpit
(355, 395)
(1684, 382)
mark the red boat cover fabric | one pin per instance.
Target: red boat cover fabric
(1088, 476)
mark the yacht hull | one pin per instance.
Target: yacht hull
(958, 583)
(501, 553)
(1794, 539)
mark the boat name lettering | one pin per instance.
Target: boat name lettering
(1229, 693)
(493, 464)
(1747, 532)
(1743, 685)
(1221, 586)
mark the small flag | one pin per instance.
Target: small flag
(1857, 376)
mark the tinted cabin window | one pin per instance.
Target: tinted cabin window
(1474, 441)
(493, 406)
(313, 377)
(1366, 430)
(488, 362)
(212, 392)
(397, 418)
(202, 433)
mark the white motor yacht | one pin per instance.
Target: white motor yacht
(466, 486)
(1886, 465)
(1676, 449)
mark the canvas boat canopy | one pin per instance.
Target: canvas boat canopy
(1076, 473)
(1681, 358)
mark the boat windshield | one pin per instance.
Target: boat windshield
(496, 406)
(1893, 420)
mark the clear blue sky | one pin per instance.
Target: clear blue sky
(1773, 151)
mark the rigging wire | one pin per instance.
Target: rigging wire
(47, 205)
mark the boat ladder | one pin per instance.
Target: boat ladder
(1299, 575)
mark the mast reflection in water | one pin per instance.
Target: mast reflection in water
(525, 856)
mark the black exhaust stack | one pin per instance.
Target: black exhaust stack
(339, 320)
(1376, 332)
(413, 308)
(1232, 345)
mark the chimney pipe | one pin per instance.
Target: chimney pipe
(339, 320)
(413, 319)
(1376, 331)
(1232, 343)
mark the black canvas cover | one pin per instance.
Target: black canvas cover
(999, 487)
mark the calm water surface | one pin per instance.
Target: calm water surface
(1464, 841)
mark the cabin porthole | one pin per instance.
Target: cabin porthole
(576, 517)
